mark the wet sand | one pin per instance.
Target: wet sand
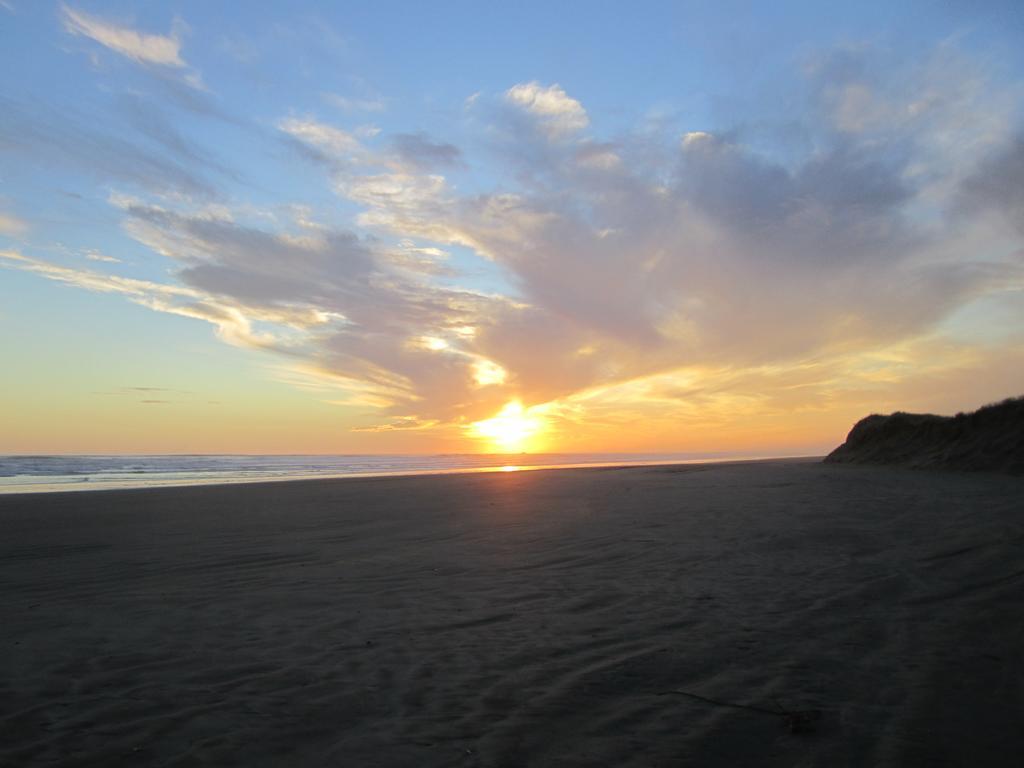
(519, 619)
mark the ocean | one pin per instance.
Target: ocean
(28, 474)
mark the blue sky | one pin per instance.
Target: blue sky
(398, 218)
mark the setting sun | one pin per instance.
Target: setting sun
(512, 430)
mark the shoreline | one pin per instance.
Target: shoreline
(85, 485)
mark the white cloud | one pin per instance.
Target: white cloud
(94, 255)
(163, 50)
(407, 202)
(692, 138)
(233, 326)
(367, 131)
(326, 138)
(558, 113)
(95, 281)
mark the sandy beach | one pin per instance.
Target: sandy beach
(519, 619)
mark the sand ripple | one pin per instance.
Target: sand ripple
(518, 619)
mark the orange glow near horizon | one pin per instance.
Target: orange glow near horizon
(513, 430)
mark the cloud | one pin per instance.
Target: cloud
(418, 152)
(232, 326)
(150, 121)
(320, 140)
(998, 184)
(42, 135)
(94, 255)
(400, 201)
(130, 390)
(161, 50)
(394, 184)
(647, 273)
(405, 423)
(406, 153)
(11, 225)
(351, 309)
(240, 48)
(374, 104)
(367, 131)
(557, 113)
(634, 258)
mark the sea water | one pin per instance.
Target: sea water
(20, 474)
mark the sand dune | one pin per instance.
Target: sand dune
(521, 619)
(991, 438)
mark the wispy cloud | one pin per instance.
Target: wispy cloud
(40, 134)
(403, 424)
(349, 104)
(94, 255)
(419, 152)
(232, 326)
(348, 307)
(162, 50)
(94, 281)
(150, 395)
(160, 54)
(322, 140)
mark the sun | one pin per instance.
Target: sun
(510, 431)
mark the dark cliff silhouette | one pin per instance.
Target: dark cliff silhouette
(991, 438)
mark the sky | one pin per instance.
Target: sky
(473, 227)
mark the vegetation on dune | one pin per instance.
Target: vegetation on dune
(991, 438)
